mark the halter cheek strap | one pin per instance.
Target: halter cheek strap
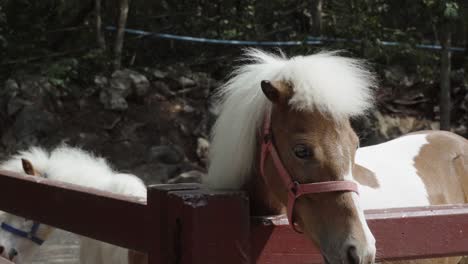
(295, 189)
(31, 235)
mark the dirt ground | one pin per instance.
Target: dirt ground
(61, 248)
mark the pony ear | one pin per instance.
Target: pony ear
(271, 91)
(278, 92)
(28, 167)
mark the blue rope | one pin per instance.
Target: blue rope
(307, 41)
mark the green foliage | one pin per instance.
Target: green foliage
(61, 72)
(33, 28)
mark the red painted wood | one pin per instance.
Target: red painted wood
(116, 219)
(274, 241)
(420, 232)
(210, 227)
(163, 229)
(403, 233)
(186, 224)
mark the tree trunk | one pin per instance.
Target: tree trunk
(464, 23)
(119, 40)
(445, 105)
(101, 41)
(316, 12)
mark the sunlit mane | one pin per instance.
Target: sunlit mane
(74, 165)
(337, 86)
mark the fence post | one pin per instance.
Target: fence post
(199, 226)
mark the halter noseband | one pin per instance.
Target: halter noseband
(295, 189)
(31, 235)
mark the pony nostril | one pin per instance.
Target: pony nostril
(353, 256)
(1, 250)
(12, 254)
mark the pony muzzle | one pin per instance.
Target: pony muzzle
(336, 227)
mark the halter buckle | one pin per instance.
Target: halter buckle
(293, 187)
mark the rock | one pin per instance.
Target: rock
(156, 173)
(391, 127)
(35, 87)
(457, 76)
(15, 105)
(140, 83)
(159, 74)
(122, 83)
(396, 76)
(11, 88)
(204, 80)
(9, 140)
(203, 127)
(193, 176)
(203, 147)
(113, 95)
(461, 130)
(188, 109)
(112, 101)
(129, 131)
(101, 81)
(34, 123)
(186, 82)
(3, 42)
(163, 88)
(165, 154)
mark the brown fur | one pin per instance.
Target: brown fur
(443, 167)
(28, 167)
(328, 219)
(365, 176)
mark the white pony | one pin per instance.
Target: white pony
(71, 165)
(283, 135)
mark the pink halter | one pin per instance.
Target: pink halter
(296, 189)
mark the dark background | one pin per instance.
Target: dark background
(144, 102)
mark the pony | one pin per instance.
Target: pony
(21, 238)
(283, 134)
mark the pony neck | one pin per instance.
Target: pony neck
(262, 201)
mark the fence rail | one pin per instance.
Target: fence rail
(185, 223)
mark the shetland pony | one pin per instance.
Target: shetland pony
(284, 135)
(71, 165)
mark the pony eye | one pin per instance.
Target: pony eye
(302, 151)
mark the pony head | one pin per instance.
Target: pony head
(310, 100)
(21, 238)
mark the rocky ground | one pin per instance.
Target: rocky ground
(155, 122)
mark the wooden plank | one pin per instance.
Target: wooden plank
(209, 227)
(116, 219)
(164, 229)
(401, 233)
(420, 233)
(273, 241)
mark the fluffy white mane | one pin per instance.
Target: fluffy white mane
(338, 86)
(74, 165)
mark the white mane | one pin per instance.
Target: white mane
(74, 165)
(340, 87)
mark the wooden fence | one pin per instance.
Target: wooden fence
(185, 223)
